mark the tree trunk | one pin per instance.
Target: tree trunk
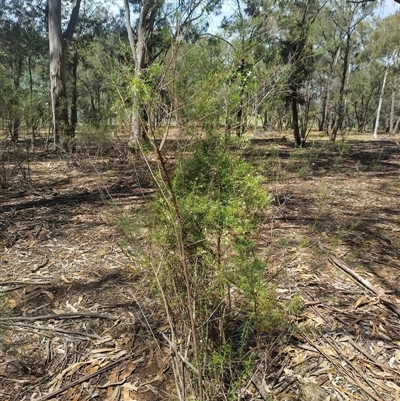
(33, 116)
(15, 113)
(295, 122)
(362, 114)
(134, 135)
(393, 100)
(378, 111)
(145, 26)
(304, 121)
(58, 45)
(240, 116)
(327, 98)
(74, 97)
(58, 59)
(341, 101)
(396, 127)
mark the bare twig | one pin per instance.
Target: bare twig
(365, 283)
(88, 377)
(55, 329)
(175, 350)
(2, 283)
(75, 315)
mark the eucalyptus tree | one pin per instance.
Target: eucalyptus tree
(386, 49)
(12, 61)
(255, 72)
(88, 71)
(362, 84)
(297, 50)
(21, 55)
(346, 16)
(59, 42)
(327, 47)
(362, 91)
(157, 27)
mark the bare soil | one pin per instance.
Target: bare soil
(76, 317)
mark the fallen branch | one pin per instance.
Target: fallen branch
(365, 283)
(75, 315)
(283, 386)
(371, 358)
(353, 379)
(261, 387)
(11, 289)
(3, 283)
(55, 329)
(88, 377)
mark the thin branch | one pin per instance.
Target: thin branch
(88, 377)
(365, 283)
(76, 315)
(175, 351)
(55, 329)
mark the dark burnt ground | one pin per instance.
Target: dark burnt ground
(60, 254)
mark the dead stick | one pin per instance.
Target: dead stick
(88, 377)
(292, 379)
(347, 361)
(261, 386)
(55, 329)
(2, 283)
(380, 294)
(75, 315)
(370, 357)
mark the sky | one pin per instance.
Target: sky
(389, 7)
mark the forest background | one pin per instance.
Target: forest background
(275, 65)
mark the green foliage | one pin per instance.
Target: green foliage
(221, 203)
(197, 84)
(214, 204)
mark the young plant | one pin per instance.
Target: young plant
(202, 231)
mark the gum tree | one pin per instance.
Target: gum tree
(386, 49)
(21, 56)
(158, 26)
(58, 46)
(346, 16)
(296, 49)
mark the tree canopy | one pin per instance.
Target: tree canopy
(272, 64)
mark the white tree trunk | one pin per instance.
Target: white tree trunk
(378, 111)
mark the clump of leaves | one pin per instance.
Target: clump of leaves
(222, 204)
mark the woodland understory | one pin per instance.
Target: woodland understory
(78, 319)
